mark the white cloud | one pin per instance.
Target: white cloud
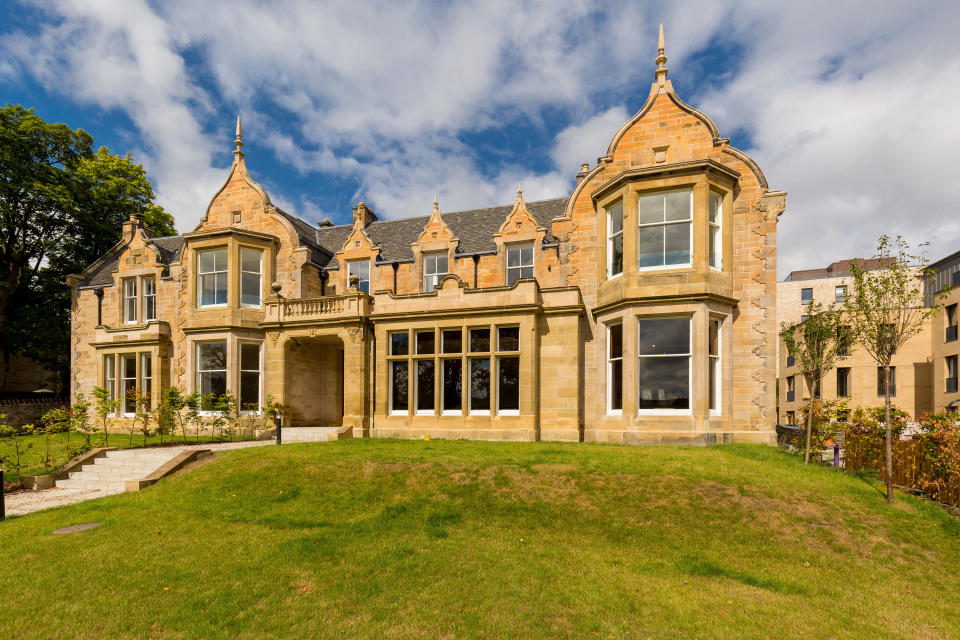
(852, 115)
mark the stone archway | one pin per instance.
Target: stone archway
(313, 381)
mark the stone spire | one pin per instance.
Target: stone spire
(661, 72)
(238, 152)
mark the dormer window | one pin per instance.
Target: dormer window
(250, 276)
(435, 266)
(130, 300)
(665, 224)
(212, 277)
(519, 262)
(361, 269)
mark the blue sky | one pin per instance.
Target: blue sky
(849, 107)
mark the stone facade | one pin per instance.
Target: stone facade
(639, 309)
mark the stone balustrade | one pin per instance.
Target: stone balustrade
(299, 310)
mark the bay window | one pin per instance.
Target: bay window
(663, 371)
(212, 277)
(361, 269)
(128, 376)
(615, 240)
(434, 267)
(519, 262)
(664, 224)
(251, 261)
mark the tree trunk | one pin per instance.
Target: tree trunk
(889, 451)
(806, 456)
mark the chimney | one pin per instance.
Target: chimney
(363, 215)
(584, 170)
(131, 226)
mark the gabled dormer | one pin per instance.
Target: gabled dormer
(358, 253)
(434, 250)
(520, 243)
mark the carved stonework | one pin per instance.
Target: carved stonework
(356, 333)
(274, 336)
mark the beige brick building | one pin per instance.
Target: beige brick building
(943, 285)
(640, 308)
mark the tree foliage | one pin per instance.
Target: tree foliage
(885, 309)
(816, 343)
(62, 205)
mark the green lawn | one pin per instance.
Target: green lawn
(63, 449)
(406, 539)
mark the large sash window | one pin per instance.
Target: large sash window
(663, 370)
(665, 223)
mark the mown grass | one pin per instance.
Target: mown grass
(63, 448)
(392, 539)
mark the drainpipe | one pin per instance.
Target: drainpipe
(476, 268)
(396, 267)
(99, 294)
(323, 281)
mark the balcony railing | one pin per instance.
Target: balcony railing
(790, 396)
(951, 385)
(951, 333)
(309, 309)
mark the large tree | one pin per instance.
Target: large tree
(61, 207)
(885, 310)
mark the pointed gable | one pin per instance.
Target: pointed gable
(519, 224)
(436, 235)
(240, 199)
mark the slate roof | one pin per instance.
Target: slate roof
(306, 232)
(474, 228)
(169, 246)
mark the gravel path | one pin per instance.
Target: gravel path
(24, 502)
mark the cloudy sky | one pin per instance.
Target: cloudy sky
(850, 107)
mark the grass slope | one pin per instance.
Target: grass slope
(388, 539)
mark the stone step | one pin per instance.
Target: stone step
(116, 486)
(110, 473)
(306, 434)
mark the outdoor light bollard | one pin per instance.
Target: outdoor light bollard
(3, 507)
(277, 419)
(836, 454)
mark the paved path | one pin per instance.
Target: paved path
(25, 502)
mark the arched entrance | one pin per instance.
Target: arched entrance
(313, 382)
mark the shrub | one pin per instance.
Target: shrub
(14, 442)
(940, 442)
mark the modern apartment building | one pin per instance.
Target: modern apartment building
(943, 286)
(639, 308)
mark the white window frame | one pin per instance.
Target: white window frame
(664, 224)
(146, 362)
(610, 239)
(431, 273)
(416, 386)
(398, 412)
(110, 375)
(215, 274)
(520, 267)
(610, 360)
(350, 272)
(124, 377)
(508, 412)
(258, 273)
(689, 355)
(198, 385)
(130, 301)
(715, 361)
(149, 297)
(241, 371)
(715, 243)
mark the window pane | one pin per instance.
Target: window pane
(526, 255)
(714, 338)
(213, 382)
(250, 289)
(479, 340)
(616, 255)
(664, 383)
(249, 356)
(615, 343)
(678, 205)
(146, 375)
(616, 219)
(649, 209)
(508, 338)
(250, 260)
(249, 390)
(452, 385)
(453, 341)
(398, 386)
(513, 256)
(660, 336)
(128, 368)
(715, 247)
(677, 244)
(221, 285)
(213, 355)
(399, 344)
(509, 379)
(479, 384)
(425, 385)
(714, 208)
(650, 246)
(616, 384)
(714, 375)
(425, 342)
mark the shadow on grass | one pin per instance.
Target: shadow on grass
(693, 566)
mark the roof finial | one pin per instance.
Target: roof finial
(239, 141)
(436, 202)
(661, 72)
(519, 190)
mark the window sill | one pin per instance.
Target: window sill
(480, 413)
(211, 306)
(399, 413)
(617, 276)
(250, 306)
(667, 267)
(456, 412)
(664, 412)
(424, 413)
(509, 412)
